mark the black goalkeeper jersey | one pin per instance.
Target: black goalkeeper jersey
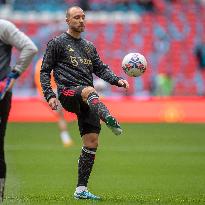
(73, 62)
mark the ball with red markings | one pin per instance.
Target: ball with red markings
(134, 64)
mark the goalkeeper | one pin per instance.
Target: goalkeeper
(10, 36)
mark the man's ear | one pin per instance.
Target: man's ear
(67, 21)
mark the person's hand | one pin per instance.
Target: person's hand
(123, 83)
(11, 84)
(6, 85)
(53, 103)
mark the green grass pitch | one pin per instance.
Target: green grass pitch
(149, 164)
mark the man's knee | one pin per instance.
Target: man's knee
(90, 140)
(92, 143)
(86, 91)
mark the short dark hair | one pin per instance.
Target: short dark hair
(69, 9)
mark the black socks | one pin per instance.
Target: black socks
(85, 165)
(2, 184)
(97, 106)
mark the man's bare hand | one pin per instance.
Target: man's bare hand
(53, 103)
(123, 83)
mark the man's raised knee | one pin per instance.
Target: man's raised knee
(86, 91)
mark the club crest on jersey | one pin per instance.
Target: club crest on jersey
(87, 49)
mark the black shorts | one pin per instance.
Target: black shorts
(71, 100)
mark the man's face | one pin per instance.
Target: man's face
(76, 20)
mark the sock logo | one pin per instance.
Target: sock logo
(95, 101)
(93, 98)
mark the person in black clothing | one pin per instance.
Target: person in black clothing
(73, 61)
(200, 54)
(10, 36)
(200, 58)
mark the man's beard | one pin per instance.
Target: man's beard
(78, 29)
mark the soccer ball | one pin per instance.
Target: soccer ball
(134, 64)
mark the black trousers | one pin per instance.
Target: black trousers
(5, 106)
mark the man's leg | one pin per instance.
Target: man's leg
(90, 96)
(5, 106)
(89, 127)
(85, 165)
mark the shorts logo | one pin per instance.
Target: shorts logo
(69, 92)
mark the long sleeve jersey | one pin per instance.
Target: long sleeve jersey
(73, 62)
(11, 36)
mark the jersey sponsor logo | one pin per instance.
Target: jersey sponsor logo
(76, 60)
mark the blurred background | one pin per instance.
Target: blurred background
(169, 33)
(160, 158)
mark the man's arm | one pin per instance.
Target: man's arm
(13, 36)
(49, 60)
(104, 72)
